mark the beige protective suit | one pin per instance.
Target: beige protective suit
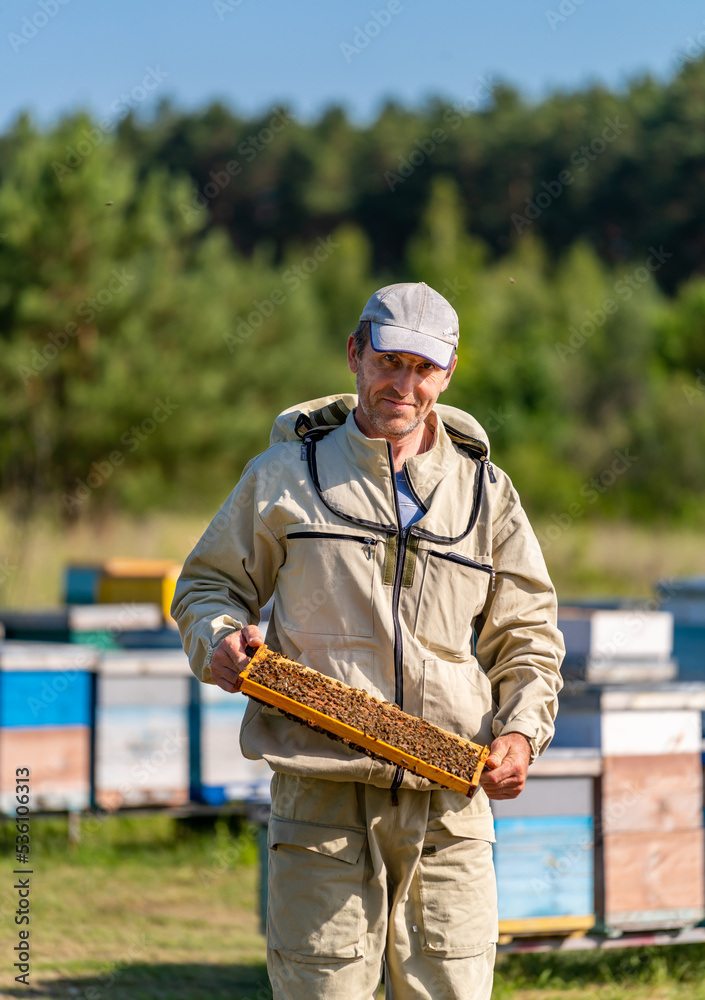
(453, 618)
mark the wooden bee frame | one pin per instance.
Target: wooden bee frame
(371, 745)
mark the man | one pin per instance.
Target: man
(402, 563)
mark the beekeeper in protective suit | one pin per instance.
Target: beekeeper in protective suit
(401, 562)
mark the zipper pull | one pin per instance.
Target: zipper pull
(490, 471)
(367, 546)
(304, 454)
(493, 578)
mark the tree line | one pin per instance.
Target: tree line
(167, 286)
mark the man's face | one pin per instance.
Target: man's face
(396, 391)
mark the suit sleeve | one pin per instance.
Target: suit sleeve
(518, 645)
(228, 577)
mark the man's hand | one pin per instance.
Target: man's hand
(229, 657)
(504, 774)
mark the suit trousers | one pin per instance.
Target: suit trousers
(358, 886)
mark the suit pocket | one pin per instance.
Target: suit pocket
(456, 895)
(326, 584)
(316, 891)
(458, 697)
(453, 593)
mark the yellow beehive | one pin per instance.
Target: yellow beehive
(140, 581)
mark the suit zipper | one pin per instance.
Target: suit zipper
(463, 561)
(476, 454)
(366, 541)
(402, 534)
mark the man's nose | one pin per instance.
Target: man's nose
(404, 382)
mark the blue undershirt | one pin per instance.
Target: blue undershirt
(409, 510)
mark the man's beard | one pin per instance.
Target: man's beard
(387, 425)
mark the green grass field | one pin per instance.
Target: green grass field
(148, 907)
(141, 907)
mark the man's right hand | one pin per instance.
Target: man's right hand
(229, 657)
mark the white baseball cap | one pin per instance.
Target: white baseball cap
(412, 318)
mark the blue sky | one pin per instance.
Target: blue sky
(58, 55)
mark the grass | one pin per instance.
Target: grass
(39, 550)
(148, 907)
(669, 972)
(142, 907)
(597, 559)
(588, 559)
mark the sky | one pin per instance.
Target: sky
(60, 55)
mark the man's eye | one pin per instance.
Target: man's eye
(389, 358)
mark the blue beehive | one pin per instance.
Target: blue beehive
(47, 721)
(545, 867)
(544, 855)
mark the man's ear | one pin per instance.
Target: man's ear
(353, 361)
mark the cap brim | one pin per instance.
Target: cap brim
(398, 340)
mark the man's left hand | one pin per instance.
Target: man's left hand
(504, 774)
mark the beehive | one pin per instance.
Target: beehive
(544, 854)
(377, 728)
(46, 722)
(124, 581)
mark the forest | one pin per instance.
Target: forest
(169, 282)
